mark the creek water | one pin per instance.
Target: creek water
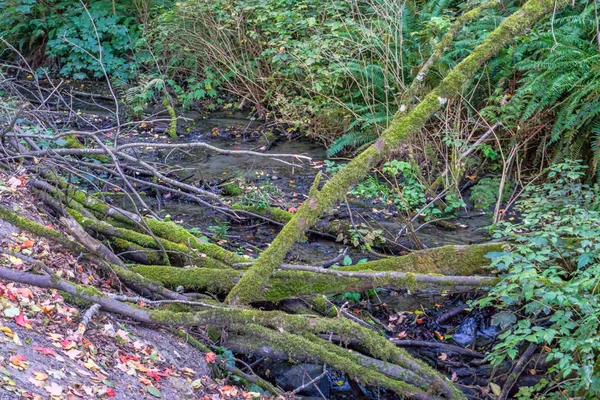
(232, 130)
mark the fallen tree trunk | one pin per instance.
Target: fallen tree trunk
(287, 284)
(250, 287)
(274, 328)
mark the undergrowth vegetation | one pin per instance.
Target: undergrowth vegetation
(550, 282)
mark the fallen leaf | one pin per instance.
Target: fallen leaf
(11, 312)
(54, 389)
(56, 374)
(14, 183)
(73, 354)
(443, 356)
(145, 381)
(123, 335)
(197, 384)
(16, 340)
(47, 351)
(153, 391)
(110, 392)
(40, 376)
(91, 365)
(22, 320)
(35, 383)
(27, 244)
(25, 292)
(496, 389)
(7, 331)
(19, 361)
(68, 344)
(210, 358)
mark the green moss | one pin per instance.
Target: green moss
(403, 126)
(218, 281)
(179, 254)
(347, 362)
(231, 189)
(174, 233)
(283, 284)
(138, 253)
(89, 291)
(447, 260)
(172, 131)
(169, 317)
(71, 142)
(38, 229)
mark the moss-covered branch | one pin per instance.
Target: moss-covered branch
(76, 199)
(401, 128)
(38, 229)
(442, 46)
(287, 284)
(296, 346)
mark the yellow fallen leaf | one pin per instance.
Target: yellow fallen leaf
(7, 331)
(40, 376)
(496, 389)
(91, 365)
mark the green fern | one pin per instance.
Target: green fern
(350, 139)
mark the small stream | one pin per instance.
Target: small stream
(232, 130)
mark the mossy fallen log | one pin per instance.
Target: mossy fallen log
(285, 284)
(170, 231)
(127, 276)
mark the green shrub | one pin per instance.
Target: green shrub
(68, 35)
(550, 278)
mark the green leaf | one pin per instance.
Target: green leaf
(154, 391)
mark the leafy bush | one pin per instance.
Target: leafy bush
(300, 61)
(550, 279)
(68, 35)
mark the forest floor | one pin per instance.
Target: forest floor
(46, 353)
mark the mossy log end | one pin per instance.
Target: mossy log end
(446, 260)
(401, 128)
